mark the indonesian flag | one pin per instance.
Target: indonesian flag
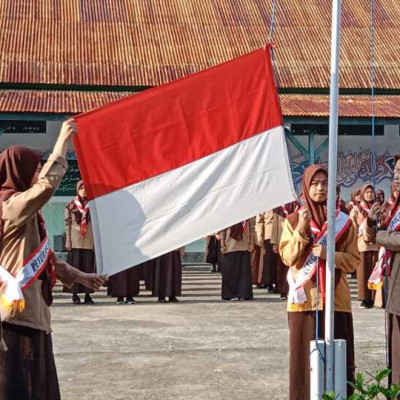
(172, 164)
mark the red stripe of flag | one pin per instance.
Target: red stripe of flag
(164, 128)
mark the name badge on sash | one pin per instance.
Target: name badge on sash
(297, 294)
(12, 298)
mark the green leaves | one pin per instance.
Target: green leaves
(372, 389)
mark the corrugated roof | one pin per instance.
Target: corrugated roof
(293, 105)
(147, 43)
(357, 106)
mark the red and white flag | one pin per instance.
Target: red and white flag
(168, 166)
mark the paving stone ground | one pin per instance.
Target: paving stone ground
(199, 349)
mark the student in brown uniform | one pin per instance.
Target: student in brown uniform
(257, 253)
(280, 214)
(267, 273)
(79, 241)
(125, 284)
(27, 369)
(300, 246)
(167, 276)
(390, 239)
(236, 244)
(355, 200)
(368, 251)
(213, 253)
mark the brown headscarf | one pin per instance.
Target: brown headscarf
(236, 231)
(365, 203)
(74, 209)
(380, 191)
(318, 210)
(18, 166)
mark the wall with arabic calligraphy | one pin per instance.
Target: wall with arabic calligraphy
(355, 160)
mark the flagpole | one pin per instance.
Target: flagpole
(332, 164)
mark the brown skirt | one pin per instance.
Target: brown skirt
(167, 275)
(301, 332)
(125, 283)
(255, 264)
(282, 285)
(267, 271)
(27, 369)
(213, 253)
(394, 348)
(236, 276)
(148, 274)
(84, 260)
(364, 270)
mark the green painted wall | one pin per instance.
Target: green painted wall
(53, 214)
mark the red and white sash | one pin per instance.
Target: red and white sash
(385, 256)
(83, 210)
(12, 299)
(297, 294)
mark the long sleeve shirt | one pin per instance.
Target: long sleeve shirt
(21, 237)
(292, 250)
(238, 245)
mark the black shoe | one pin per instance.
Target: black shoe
(120, 300)
(76, 299)
(363, 304)
(213, 269)
(173, 299)
(283, 296)
(130, 300)
(162, 300)
(88, 299)
(271, 289)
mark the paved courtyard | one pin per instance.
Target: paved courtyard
(199, 349)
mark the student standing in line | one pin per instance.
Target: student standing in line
(368, 251)
(167, 276)
(79, 241)
(280, 214)
(236, 244)
(300, 248)
(125, 284)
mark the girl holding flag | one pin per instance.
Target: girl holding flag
(29, 269)
(303, 248)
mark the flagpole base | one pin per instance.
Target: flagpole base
(317, 369)
(340, 369)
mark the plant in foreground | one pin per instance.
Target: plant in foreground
(371, 389)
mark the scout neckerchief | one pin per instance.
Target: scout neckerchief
(83, 210)
(385, 256)
(297, 294)
(12, 299)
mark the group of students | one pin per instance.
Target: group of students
(288, 244)
(247, 255)
(362, 199)
(162, 275)
(27, 368)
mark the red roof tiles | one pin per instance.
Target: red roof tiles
(147, 43)
(293, 105)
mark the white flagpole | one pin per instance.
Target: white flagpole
(332, 163)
